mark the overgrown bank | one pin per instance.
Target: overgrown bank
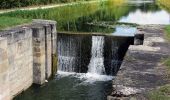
(18, 17)
(165, 4)
(6, 4)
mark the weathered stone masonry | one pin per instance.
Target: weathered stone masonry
(26, 55)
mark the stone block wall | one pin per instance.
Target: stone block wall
(25, 57)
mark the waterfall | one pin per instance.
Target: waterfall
(72, 55)
(68, 54)
(96, 65)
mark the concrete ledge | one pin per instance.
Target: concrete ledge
(142, 69)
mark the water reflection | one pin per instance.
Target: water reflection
(125, 31)
(138, 12)
(140, 17)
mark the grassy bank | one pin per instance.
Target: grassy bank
(7, 4)
(6, 22)
(167, 32)
(165, 4)
(58, 14)
(74, 17)
(166, 62)
(163, 93)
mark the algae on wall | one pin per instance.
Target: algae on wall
(54, 64)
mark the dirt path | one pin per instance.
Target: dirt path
(142, 70)
(48, 6)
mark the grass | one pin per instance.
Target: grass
(58, 14)
(6, 22)
(167, 61)
(163, 93)
(165, 4)
(167, 32)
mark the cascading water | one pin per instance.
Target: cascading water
(68, 52)
(82, 57)
(96, 65)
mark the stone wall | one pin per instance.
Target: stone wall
(26, 56)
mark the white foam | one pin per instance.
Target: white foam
(85, 77)
(64, 74)
(96, 65)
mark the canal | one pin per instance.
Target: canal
(112, 17)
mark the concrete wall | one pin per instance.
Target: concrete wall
(4, 66)
(26, 57)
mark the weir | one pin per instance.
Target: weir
(28, 54)
(93, 53)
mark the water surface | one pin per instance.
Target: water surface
(70, 86)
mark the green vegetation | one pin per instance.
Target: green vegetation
(163, 93)
(5, 4)
(63, 15)
(165, 4)
(75, 17)
(11, 21)
(167, 64)
(167, 36)
(167, 32)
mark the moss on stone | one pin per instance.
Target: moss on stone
(54, 64)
